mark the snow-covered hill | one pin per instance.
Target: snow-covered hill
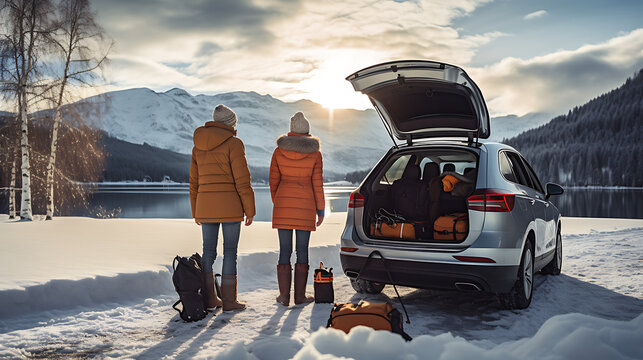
(351, 139)
(506, 127)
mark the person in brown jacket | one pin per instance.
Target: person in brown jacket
(220, 194)
(297, 190)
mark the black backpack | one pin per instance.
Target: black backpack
(188, 283)
(323, 285)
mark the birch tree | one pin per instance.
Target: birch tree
(26, 24)
(83, 47)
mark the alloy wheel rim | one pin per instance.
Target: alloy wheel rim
(527, 277)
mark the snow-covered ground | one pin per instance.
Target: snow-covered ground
(79, 287)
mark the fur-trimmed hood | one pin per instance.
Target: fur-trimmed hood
(304, 144)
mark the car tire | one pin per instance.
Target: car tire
(367, 287)
(556, 264)
(519, 297)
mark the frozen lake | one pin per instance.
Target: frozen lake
(172, 201)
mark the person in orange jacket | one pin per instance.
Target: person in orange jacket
(220, 194)
(297, 190)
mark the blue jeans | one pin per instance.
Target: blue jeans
(285, 245)
(231, 232)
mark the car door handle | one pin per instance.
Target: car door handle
(532, 201)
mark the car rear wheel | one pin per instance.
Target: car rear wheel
(520, 295)
(556, 264)
(366, 286)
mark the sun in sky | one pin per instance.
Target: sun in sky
(526, 56)
(327, 85)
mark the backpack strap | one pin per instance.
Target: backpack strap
(175, 304)
(390, 278)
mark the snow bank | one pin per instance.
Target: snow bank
(570, 336)
(75, 248)
(64, 294)
(257, 273)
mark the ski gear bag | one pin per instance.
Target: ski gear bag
(379, 316)
(323, 284)
(452, 227)
(392, 225)
(188, 283)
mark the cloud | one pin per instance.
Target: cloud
(557, 81)
(278, 46)
(535, 15)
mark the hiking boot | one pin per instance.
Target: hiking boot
(284, 278)
(212, 301)
(229, 293)
(301, 277)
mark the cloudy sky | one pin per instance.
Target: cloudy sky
(526, 55)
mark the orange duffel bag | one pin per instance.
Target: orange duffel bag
(394, 230)
(451, 227)
(378, 316)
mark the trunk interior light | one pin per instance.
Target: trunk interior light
(356, 200)
(491, 200)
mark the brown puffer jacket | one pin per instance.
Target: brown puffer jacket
(220, 189)
(296, 182)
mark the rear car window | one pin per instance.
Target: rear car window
(506, 168)
(534, 179)
(395, 171)
(518, 169)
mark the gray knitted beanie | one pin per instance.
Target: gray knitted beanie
(299, 124)
(224, 115)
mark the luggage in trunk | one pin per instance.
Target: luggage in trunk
(451, 227)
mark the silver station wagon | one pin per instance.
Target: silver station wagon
(438, 172)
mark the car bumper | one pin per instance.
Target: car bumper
(427, 275)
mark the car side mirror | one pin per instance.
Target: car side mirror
(553, 189)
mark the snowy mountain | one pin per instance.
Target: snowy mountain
(351, 139)
(505, 127)
(596, 144)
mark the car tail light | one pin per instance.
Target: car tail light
(474, 259)
(356, 200)
(491, 200)
(348, 249)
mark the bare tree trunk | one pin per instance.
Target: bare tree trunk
(51, 166)
(12, 192)
(25, 203)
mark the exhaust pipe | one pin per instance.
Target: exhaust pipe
(465, 286)
(352, 274)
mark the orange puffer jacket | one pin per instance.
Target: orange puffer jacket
(220, 189)
(296, 182)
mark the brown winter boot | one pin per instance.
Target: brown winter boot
(284, 278)
(212, 301)
(301, 277)
(229, 293)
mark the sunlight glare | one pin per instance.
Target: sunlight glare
(328, 86)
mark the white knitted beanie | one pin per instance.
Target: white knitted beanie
(224, 115)
(299, 124)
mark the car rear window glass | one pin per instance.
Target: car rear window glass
(465, 163)
(506, 168)
(534, 179)
(519, 169)
(396, 170)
